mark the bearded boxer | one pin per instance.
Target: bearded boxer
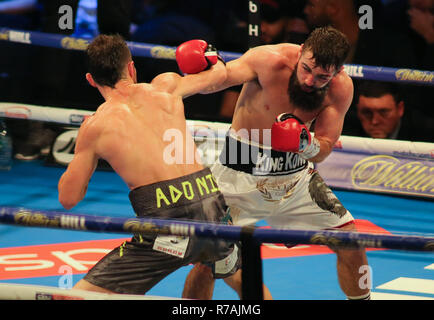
(266, 170)
(128, 131)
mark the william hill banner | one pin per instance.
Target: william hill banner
(378, 165)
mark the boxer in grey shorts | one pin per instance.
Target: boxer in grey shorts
(137, 265)
(129, 131)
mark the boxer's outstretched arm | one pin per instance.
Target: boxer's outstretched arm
(73, 184)
(259, 60)
(203, 82)
(215, 79)
(259, 63)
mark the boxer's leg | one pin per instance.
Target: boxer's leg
(199, 283)
(313, 205)
(235, 282)
(350, 268)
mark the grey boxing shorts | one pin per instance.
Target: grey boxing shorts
(137, 265)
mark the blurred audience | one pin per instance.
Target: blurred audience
(281, 21)
(415, 19)
(170, 22)
(14, 57)
(58, 66)
(20, 14)
(297, 28)
(402, 37)
(421, 15)
(376, 46)
(421, 24)
(274, 19)
(382, 114)
(15, 63)
(57, 75)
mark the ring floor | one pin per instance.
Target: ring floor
(60, 258)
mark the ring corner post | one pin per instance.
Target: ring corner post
(252, 288)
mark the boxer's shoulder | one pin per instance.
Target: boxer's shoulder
(269, 59)
(109, 115)
(277, 53)
(341, 89)
(165, 82)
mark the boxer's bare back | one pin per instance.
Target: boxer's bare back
(128, 131)
(140, 131)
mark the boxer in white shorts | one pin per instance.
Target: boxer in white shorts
(286, 88)
(281, 188)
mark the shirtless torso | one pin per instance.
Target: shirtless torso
(129, 129)
(265, 72)
(275, 186)
(141, 131)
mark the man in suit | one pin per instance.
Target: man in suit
(382, 114)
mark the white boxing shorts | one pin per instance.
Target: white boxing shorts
(280, 188)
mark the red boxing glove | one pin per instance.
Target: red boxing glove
(290, 134)
(195, 56)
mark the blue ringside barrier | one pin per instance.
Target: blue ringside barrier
(400, 75)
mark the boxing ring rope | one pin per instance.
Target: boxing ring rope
(10, 291)
(379, 73)
(41, 218)
(250, 237)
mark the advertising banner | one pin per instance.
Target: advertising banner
(380, 165)
(365, 164)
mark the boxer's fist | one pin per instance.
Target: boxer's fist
(195, 56)
(289, 134)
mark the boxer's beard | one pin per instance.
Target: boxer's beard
(307, 101)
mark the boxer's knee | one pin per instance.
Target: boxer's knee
(347, 227)
(203, 270)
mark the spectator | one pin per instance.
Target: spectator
(15, 57)
(171, 23)
(421, 23)
(15, 61)
(377, 46)
(382, 114)
(58, 66)
(53, 69)
(281, 21)
(415, 18)
(297, 27)
(20, 14)
(274, 19)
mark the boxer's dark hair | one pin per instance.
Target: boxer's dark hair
(107, 56)
(329, 47)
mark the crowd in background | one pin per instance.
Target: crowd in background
(402, 36)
